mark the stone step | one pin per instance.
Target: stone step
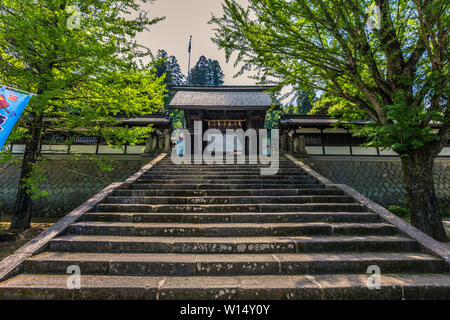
(180, 171)
(225, 192)
(266, 181)
(169, 162)
(244, 217)
(281, 164)
(231, 168)
(220, 231)
(210, 208)
(120, 244)
(230, 200)
(250, 173)
(246, 158)
(203, 176)
(172, 264)
(230, 229)
(281, 158)
(264, 287)
(221, 186)
(225, 168)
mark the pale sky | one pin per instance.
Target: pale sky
(183, 19)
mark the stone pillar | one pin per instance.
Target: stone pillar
(149, 149)
(290, 141)
(148, 145)
(154, 142)
(296, 142)
(167, 141)
(302, 144)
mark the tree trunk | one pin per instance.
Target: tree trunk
(21, 218)
(423, 204)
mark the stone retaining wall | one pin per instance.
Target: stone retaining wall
(70, 182)
(73, 182)
(379, 179)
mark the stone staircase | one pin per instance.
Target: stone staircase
(226, 232)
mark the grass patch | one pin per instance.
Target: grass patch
(14, 240)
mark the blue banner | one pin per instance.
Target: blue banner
(12, 105)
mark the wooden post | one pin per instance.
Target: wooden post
(160, 142)
(290, 139)
(283, 141)
(295, 144)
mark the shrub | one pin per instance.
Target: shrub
(399, 211)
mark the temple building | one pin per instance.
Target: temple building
(224, 107)
(56, 142)
(321, 137)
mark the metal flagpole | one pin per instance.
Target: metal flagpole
(189, 63)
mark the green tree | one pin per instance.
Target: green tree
(394, 69)
(336, 107)
(304, 103)
(272, 118)
(168, 67)
(299, 104)
(85, 74)
(173, 76)
(207, 72)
